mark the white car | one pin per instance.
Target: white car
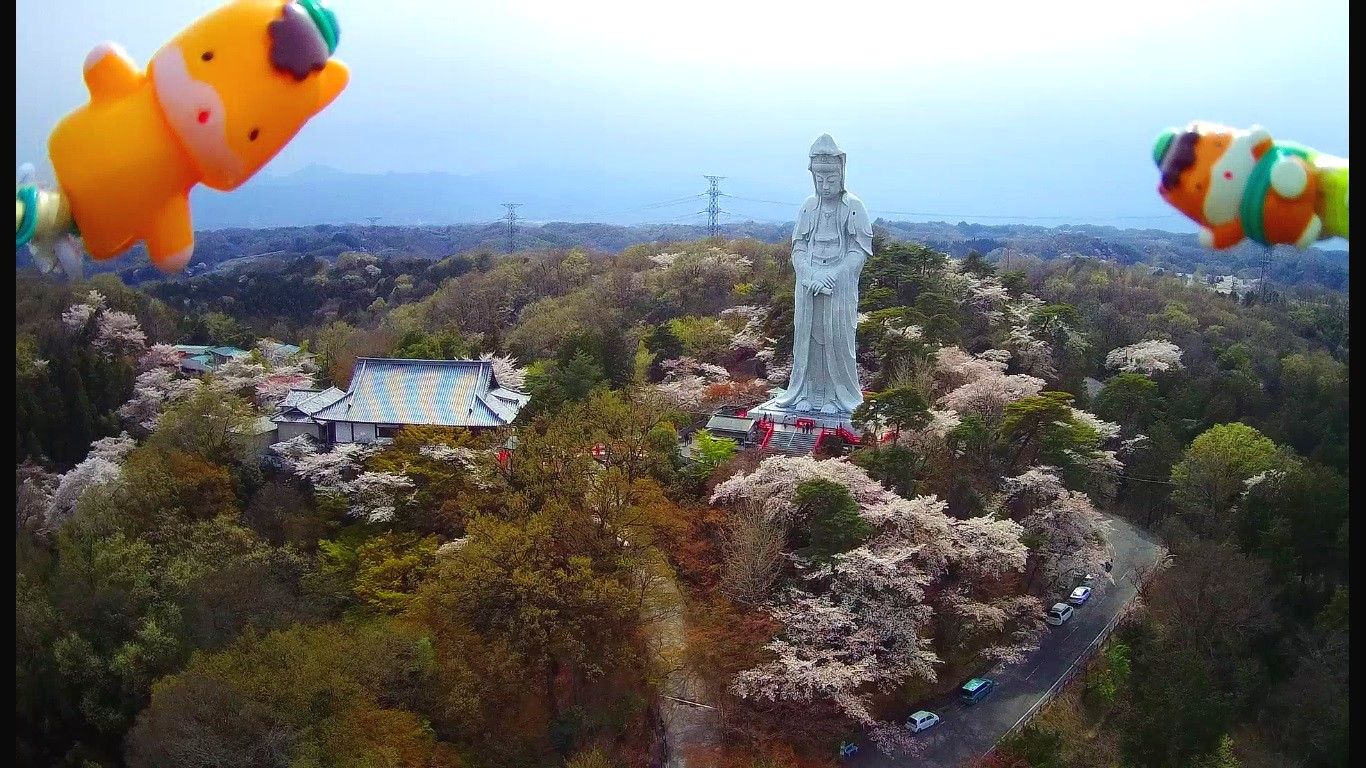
(1079, 596)
(1059, 614)
(921, 721)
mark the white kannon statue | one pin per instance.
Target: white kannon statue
(830, 243)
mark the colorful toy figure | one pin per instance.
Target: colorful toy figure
(215, 105)
(1238, 184)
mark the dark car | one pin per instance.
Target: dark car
(976, 689)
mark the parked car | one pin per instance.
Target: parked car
(975, 690)
(922, 720)
(1079, 596)
(1059, 614)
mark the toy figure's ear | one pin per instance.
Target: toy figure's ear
(1261, 140)
(331, 80)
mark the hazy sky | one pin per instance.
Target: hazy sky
(962, 108)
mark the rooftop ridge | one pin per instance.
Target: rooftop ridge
(410, 361)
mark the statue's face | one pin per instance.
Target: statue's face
(829, 180)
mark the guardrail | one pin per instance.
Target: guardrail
(1061, 682)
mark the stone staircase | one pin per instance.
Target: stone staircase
(793, 442)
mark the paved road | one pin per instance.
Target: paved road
(966, 733)
(687, 727)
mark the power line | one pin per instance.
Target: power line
(963, 215)
(757, 200)
(512, 221)
(714, 207)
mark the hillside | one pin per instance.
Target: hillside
(232, 248)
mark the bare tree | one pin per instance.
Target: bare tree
(752, 552)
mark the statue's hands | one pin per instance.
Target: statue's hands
(827, 284)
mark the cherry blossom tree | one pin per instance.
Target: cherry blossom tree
(863, 621)
(1148, 357)
(749, 323)
(371, 496)
(328, 472)
(988, 396)
(153, 390)
(507, 371)
(375, 496)
(1066, 532)
(686, 380)
(114, 332)
(119, 333)
(159, 356)
(953, 367)
(78, 316)
(101, 466)
(264, 383)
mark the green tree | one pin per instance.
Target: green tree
(442, 345)
(1043, 430)
(1130, 400)
(208, 424)
(377, 570)
(558, 383)
(832, 518)
(1209, 478)
(704, 338)
(557, 609)
(895, 466)
(1296, 518)
(976, 264)
(708, 453)
(321, 695)
(900, 408)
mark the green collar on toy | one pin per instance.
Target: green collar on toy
(1258, 184)
(28, 194)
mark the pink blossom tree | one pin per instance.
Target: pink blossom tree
(1148, 357)
(1066, 533)
(119, 333)
(507, 371)
(101, 466)
(864, 622)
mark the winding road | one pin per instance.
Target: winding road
(967, 733)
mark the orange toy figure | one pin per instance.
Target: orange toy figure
(1240, 184)
(215, 105)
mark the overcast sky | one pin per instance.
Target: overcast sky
(969, 109)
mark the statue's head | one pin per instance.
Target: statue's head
(827, 168)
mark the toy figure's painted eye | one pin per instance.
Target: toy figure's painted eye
(207, 56)
(1228, 174)
(254, 133)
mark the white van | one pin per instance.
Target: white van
(1059, 614)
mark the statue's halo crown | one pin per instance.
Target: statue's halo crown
(825, 147)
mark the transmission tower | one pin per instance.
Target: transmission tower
(1266, 262)
(512, 221)
(714, 206)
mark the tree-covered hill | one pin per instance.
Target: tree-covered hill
(229, 248)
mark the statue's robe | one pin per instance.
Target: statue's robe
(831, 319)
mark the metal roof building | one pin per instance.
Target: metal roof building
(386, 394)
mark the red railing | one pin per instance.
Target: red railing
(767, 426)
